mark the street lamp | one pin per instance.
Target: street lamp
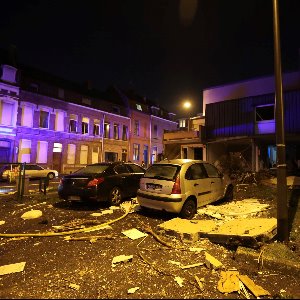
(187, 105)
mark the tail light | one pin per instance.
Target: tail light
(95, 181)
(176, 187)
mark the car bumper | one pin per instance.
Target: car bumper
(170, 203)
(81, 194)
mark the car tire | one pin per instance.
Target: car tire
(229, 193)
(51, 176)
(115, 196)
(189, 209)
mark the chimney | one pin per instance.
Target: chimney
(8, 73)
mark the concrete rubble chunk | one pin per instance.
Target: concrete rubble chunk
(255, 289)
(211, 262)
(200, 284)
(134, 233)
(12, 268)
(32, 214)
(192, 266)
(133, 290)
(121, 258)
(74, 286)
(179, 280)
(229, 282)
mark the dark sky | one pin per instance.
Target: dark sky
(152, 46)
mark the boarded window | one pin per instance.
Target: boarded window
(42, 152)
(24, 151)
(7, 113)
(71, 154)
(95, 155)
(83, 154)
(59, 121)
(27, 116)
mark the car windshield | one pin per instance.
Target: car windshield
(92, 169)
(161, 171)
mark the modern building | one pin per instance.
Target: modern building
(240, 117)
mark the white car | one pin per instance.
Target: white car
(31, 170)
(182, 185)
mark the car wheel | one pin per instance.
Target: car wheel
(115, 196)
(229, 193)
(50, 175)
(188, 210)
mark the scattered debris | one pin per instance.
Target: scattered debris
(212, 263)
(107, 211)
(243, 290)
(2, 222)
(179, 280)
(192, 266)
(200, 284)
(174, 262)
(114, 207)
(229, 282)
(96, 214)
(74, 286)
(32, 214)
(133, 290)
(198, 250)
(92, 238)
(134, 233)
(121, 258)
(256, 290)
(12, 268)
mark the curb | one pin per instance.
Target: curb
(263, 261)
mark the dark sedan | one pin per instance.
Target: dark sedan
(110, 182)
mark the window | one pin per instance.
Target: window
(24, 151)
(136, 130)
(57, 147)
(44, 119)
(27, 116)
(154, 154)
(182, 123)
(155, 131)
(59, 121)
(95, 155)
(83, 154)
(42, 152)
(6, 113)
(106, 130)
(85, 126)
(125, 133)
(135, 168)
(121, 169)
(264, 113)
(195, 172)
(212, 171)
(96, 129)
(136, 152)
(71, 154)
(116, 131)
(73, 123)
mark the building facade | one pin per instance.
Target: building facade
(59, 125)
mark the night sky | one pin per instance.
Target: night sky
(159, 48)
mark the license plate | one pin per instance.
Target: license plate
(152, 186)
(75, 198)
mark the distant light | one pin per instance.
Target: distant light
(187, 104)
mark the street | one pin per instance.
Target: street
(79, 250)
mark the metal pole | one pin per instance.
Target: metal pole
(282, 205)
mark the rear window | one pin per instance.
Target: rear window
(159, 171)
(92, 169)
(135, 168)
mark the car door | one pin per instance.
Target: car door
(216, 182)
(198, 183)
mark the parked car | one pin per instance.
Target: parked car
(181, 186)
(31, 170)
(110, 182)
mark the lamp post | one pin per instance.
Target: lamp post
(282, 205)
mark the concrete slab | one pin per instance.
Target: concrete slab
(189, 230)
(248, 230)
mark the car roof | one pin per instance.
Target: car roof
(177, 161)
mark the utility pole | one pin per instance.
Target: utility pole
(282, 205)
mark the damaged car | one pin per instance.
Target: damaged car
(182, 185)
